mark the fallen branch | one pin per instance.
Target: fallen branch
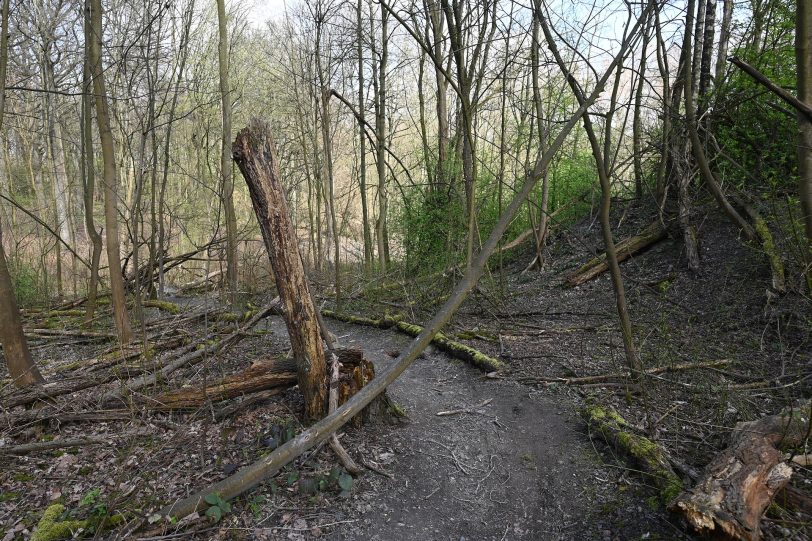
(471, 409)
(625, 375)
(61, 444)
(738, 485)
(625, 249)
(441, 341)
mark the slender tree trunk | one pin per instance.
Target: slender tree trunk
(803, 54)
(707, 51)
(637, 128)
(362, 168)
(724, 40)
(380, 136)
(89, 176)
(120, 315)
(696, 143)
(225, 157)
(632, 358)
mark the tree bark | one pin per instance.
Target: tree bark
(120, 315)
(225, 156)
(257, 159)
(89, 175)
(803, 55)
(739, 483)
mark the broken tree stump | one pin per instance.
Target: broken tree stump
(739, 483)
(253, 151)
(625, 248)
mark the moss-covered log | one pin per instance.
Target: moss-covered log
(739, 484)
(625, 248)
(644, 453)
(442, 342)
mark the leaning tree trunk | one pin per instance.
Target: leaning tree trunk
(254, 154)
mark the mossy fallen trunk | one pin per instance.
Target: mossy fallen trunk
(625, 249)
(442, 342)
(646, 455)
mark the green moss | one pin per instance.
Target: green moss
(164, 306)
(228, 317)
(50, 528)
(8, 496)
(23, 477)
(768, 244)
(641, 450)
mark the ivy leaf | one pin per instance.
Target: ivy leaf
(212, 499)
(214, 513)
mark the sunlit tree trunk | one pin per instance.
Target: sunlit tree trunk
(120, 315)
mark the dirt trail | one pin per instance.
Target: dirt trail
(519, 467)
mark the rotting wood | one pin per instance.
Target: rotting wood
(655, 232)
(739, 484)
(254, 154)
(646, 454)
(621, 375)
(441, 341)
(262, 375)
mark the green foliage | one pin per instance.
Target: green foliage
(26, 283)
(218, 507)
(753, 127)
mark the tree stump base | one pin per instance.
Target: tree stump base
(355, 372)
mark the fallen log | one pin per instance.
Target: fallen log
(262, 375)
(739, 484)
(647, 456)
(586, 380)
(441, 341)
(625, 249)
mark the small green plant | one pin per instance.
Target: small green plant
(217, 507)
(256, 504)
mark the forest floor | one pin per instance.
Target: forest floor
(519, 464)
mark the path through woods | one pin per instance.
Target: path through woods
(519, 467)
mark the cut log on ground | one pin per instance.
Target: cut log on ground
(646, 455)
(739, 484)
(441, 341)
(255, 155)
(625, 248)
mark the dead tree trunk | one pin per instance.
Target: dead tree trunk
(255, 156)
(739, 484)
